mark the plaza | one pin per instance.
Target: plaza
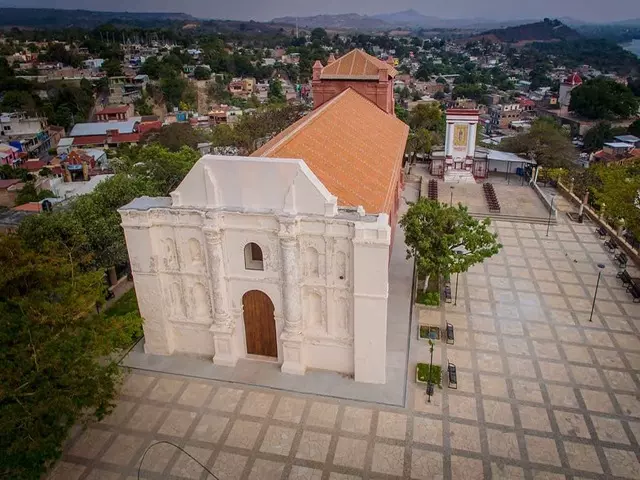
(542, 392)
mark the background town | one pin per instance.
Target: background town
(98, 109)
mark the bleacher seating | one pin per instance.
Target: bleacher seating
(491, 197)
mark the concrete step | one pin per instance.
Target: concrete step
(458, 176)
(499, 217)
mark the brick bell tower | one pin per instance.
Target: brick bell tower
(369, 76)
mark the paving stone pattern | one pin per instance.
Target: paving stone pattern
(543, 393)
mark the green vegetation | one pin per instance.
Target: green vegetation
(428, 298)
(426, 372)
(602, 98)
(546, 142)
(126, 304)
(28, 193)
(445, 240)
(56, 368)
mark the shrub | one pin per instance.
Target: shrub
(428, 298)
(436, 374)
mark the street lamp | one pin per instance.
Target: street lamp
(451, 201)
(595, 294)
(459, 251)
(553, 197)
(429, 382)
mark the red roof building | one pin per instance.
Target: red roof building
(573, 80)
(112, 114)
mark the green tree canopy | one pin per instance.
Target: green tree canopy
(445, 240)
(597, 135)
(275, 94)
(634, 128)
(112, 67)
(618, 187)
(174, 136)
(546, 142)
(202, 73)
(603, 98)
(56, 368)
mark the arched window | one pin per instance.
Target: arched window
(253, 257)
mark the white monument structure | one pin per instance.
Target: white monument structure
(253, 256)
(460, 161)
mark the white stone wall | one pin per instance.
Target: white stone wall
(326, 274)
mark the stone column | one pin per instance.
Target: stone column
(292, 336)
(223, 328)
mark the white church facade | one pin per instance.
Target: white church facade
(254, 257)
(281, 256)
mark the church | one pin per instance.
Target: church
(282, 256)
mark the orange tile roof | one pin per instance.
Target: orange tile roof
(356, 64)
(352, 146)
(29, 207)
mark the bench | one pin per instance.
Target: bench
(611, 245)
(447, 293)
(602, 232)
(622, 259)
(635, 293)
(450, 336)
(453, 378)
(625, 277)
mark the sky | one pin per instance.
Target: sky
(263, 10)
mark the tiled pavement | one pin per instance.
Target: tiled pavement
(542, 392)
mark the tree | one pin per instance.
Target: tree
(546, 142)
(634, 128)
(617, 187)
(438, 96)
(595, 137)
(202, 73)
(420, 141)
(319, 34)
(28, 193)
(603, 98)
(151, 67)
(112, 67)
(174, 136)
(275, 94)
(444, 239)
(474, 91)
(173, 88)
(57, 363)
(428, 116)
(143, 107)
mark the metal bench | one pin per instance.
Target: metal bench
(625, 277)
(611, 245)
(602, 232)
(453, 378)
(635, 292)
(450, 335)
(622, 259)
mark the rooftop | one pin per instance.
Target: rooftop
(352, 146)
(357, 64)
(100, 128)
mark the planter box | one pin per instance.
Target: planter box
(428, 332)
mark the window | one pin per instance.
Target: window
(253, 257)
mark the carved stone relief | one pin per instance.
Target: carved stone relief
(195, 251)
(176, 306)
(200, 300)
(170, 254)
(311, 262)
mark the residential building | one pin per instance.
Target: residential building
(106, 134)
(115, 114)
(27, 134)
(8, 154)
(284, 254)
(502, 115)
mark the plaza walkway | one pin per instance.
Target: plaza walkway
(542, 392)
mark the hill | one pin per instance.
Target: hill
(544, 31)
(58, 18)
(347, 21)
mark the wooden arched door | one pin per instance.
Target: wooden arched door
(259, 324)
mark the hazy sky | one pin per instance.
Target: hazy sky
(588, 10)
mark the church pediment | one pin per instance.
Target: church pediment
(254, 184)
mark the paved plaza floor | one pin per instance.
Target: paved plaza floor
(542, 392)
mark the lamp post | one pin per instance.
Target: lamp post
(429, 382)
(595, 294)
(451, 200)
(461, 250)
(553, 197)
